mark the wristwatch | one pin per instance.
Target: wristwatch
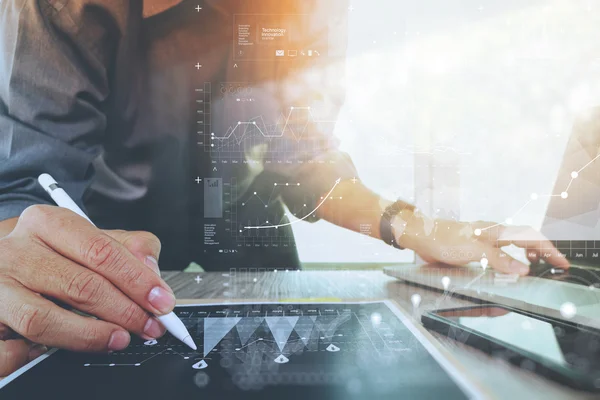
(386, 226)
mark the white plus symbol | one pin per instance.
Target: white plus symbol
(354, 180)
(198, 180)
(198, 66)
(198, 8)
(197, 279)
(351, 8)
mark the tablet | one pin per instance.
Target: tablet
(350, 350)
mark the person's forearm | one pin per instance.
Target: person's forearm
(354, 206)
(7, 226)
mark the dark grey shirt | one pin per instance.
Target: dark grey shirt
(105, 101)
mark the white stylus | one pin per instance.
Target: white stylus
(62, 199)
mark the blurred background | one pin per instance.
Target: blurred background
(464, 107)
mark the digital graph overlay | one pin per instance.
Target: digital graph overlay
(295, 131)
(256, 218)
(341, 350)
(325, 198)
(535, 196)
(280, 330)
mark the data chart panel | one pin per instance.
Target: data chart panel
(252, 351)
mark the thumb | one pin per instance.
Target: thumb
(16, 353)
(144, 245)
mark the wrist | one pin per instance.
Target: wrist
(409, 228)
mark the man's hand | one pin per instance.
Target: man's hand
(54, 254)
(458, 243)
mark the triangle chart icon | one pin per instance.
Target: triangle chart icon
(304, 328)
(246, 328)
(215, 330)
(281, 329)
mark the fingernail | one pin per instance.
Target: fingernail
(37, 350)
(161, 299)
(153, 328)
(118, 340)
(153, 264)
(519, 267)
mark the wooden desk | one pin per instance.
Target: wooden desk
(503, 380)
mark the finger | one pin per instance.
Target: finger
(144, 245)
(36, 350)
(458, 255)
(77, 239)
(13, 355)
(502, 262)
(6, 333)
(62, 279)
(533, 256)
(42, 321)
(487, 231)
(534, 241)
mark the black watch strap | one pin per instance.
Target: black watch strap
(386, 230)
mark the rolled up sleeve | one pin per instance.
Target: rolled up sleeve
(53, 87)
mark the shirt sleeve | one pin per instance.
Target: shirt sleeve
(54, 58)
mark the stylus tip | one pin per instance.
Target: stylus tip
(190, 342)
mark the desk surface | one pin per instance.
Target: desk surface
(501, 379)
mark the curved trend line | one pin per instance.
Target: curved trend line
(300, 219)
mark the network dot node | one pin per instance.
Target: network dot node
(574, 174)
(484, 263)
(564, 195)
(477, 232)
(509, 221)
(534, 196)
(568, 310)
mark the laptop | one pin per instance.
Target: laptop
(572, 223)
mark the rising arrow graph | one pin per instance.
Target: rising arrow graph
(337, 182)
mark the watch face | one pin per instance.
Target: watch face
(393, 224)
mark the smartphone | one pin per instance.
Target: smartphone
(562, 351)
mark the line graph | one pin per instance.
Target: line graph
(294, 131)
(258, 122)
(138, 364)
(276, 185)
(534, 196)
(325, 198)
